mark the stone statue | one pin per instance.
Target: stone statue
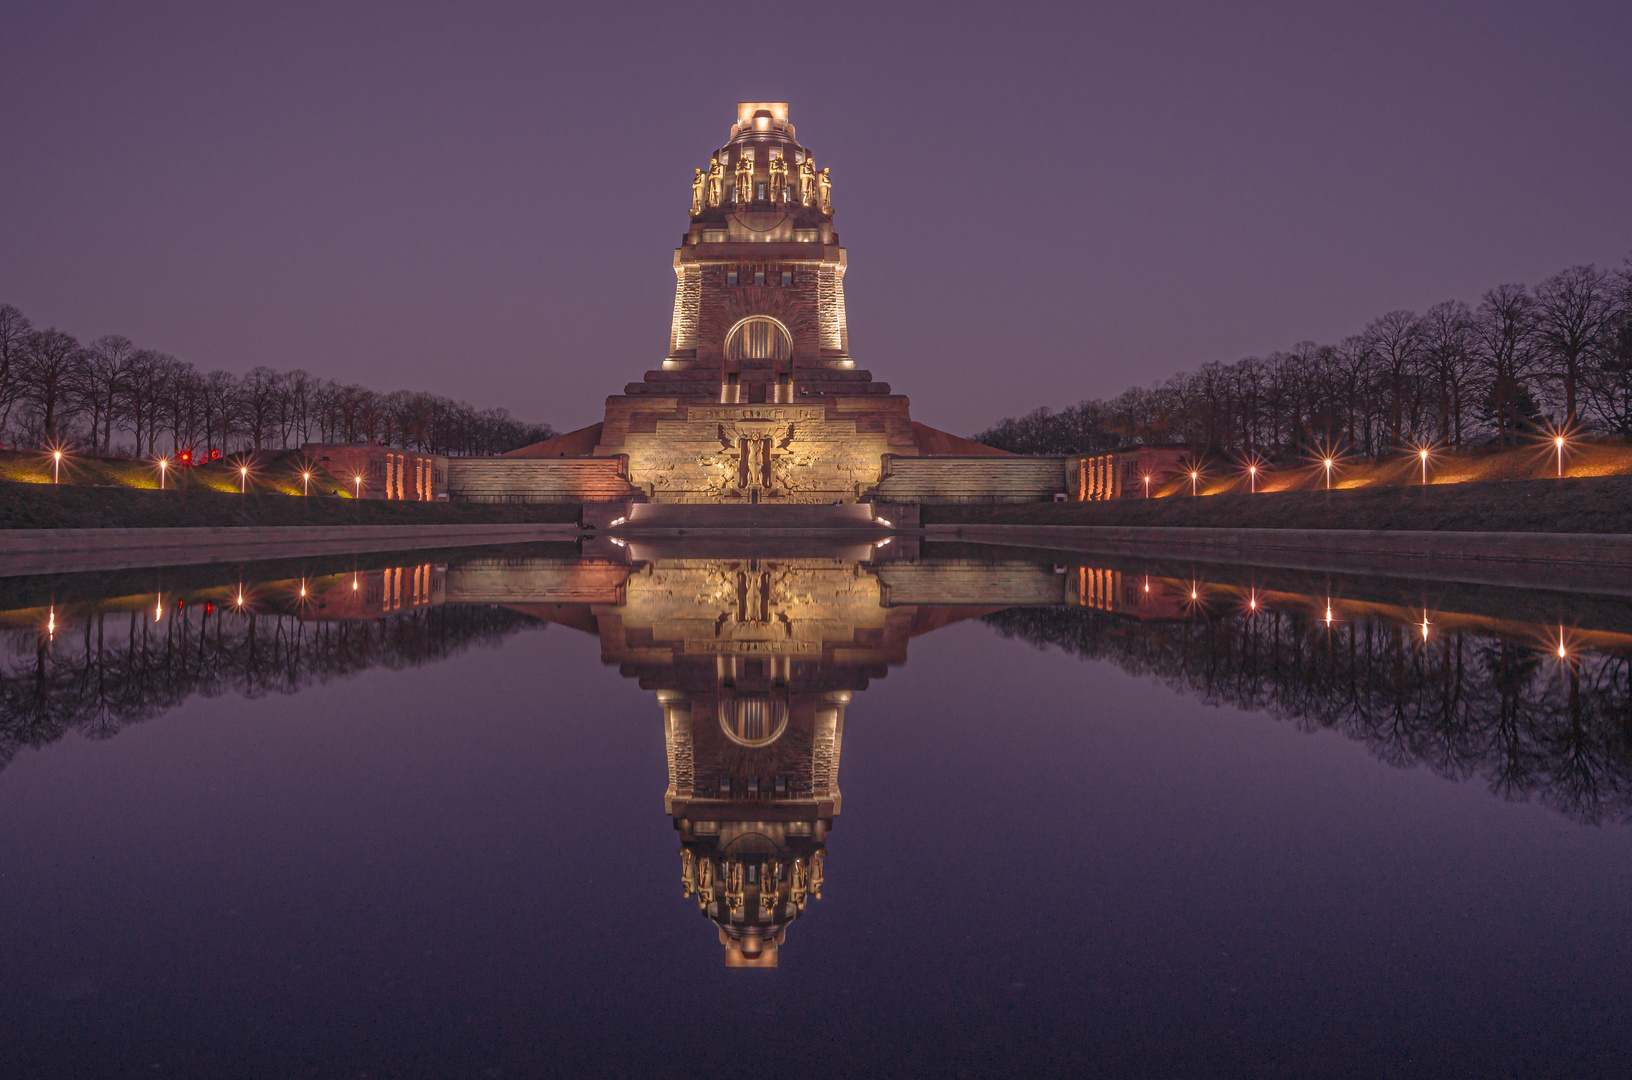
(824, 189)
(744, 192)
(716, 181)
(779, 180)
(807, 181)
(699, 192)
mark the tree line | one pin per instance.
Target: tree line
(1464, 705)
(56, 392)
(1521, 360)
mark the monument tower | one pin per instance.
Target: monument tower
(758, 399)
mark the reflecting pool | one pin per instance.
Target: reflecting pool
(685, 810)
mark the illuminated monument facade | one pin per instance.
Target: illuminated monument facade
(758, 399)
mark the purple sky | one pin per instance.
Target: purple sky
(1040, 204)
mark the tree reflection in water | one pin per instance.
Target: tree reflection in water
(1531, 724)
(101, 673)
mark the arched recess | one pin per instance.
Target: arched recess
(753, 721)
(759, 337)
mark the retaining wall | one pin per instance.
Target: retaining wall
(66, 551)
(972, 479)
(537, 480)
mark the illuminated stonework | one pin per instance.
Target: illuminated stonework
(758, 399)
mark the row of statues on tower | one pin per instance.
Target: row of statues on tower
(810, 187)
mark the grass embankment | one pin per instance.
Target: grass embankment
(1590, 505)
(1582, 459)
(37, 506)
(270, 473)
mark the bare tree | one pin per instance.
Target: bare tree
(1573, 311)
(139, 396)
(99, 380)
(14, 331)
(258, 395)
(49, 358)
(1447, 357)
(1504, 332)
(223, 408)
(1396, 341)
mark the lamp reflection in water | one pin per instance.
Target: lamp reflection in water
(754, 663)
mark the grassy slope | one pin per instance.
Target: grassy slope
(37, 506)
(1595, 505)
(270, 473)
(1536, 461)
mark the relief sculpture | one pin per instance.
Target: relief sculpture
(755, 459)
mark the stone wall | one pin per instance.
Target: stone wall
(971, 479)
(537, 480)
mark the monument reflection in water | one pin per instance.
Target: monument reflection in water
(754, 661)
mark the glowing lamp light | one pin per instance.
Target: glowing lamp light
(164, 463)
(56, 466)
(1558, 445)
(305, 483)
(1147, 487)
(359, 481)
(243, 479)
(1193, 475)
(1328, 464)
(1252, 474)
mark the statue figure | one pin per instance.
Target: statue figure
(779, 180)
(716, 180)
(744, 192)
(824, 188)
(807, 181)
(699, 194)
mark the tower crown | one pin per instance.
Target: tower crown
(759, 287)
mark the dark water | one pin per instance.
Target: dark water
(518, 813)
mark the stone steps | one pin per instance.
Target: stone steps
(749, 516)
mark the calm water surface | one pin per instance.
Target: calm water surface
(681, 813)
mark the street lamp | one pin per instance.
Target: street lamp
(1558, 444)
(243, 479)
(305, 483)
(56, 465)
(359, 480)
(1147, 487)
(164, 463)
(1252, 478)
(1328, 464)
(1193, 475)
(1423, 455)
